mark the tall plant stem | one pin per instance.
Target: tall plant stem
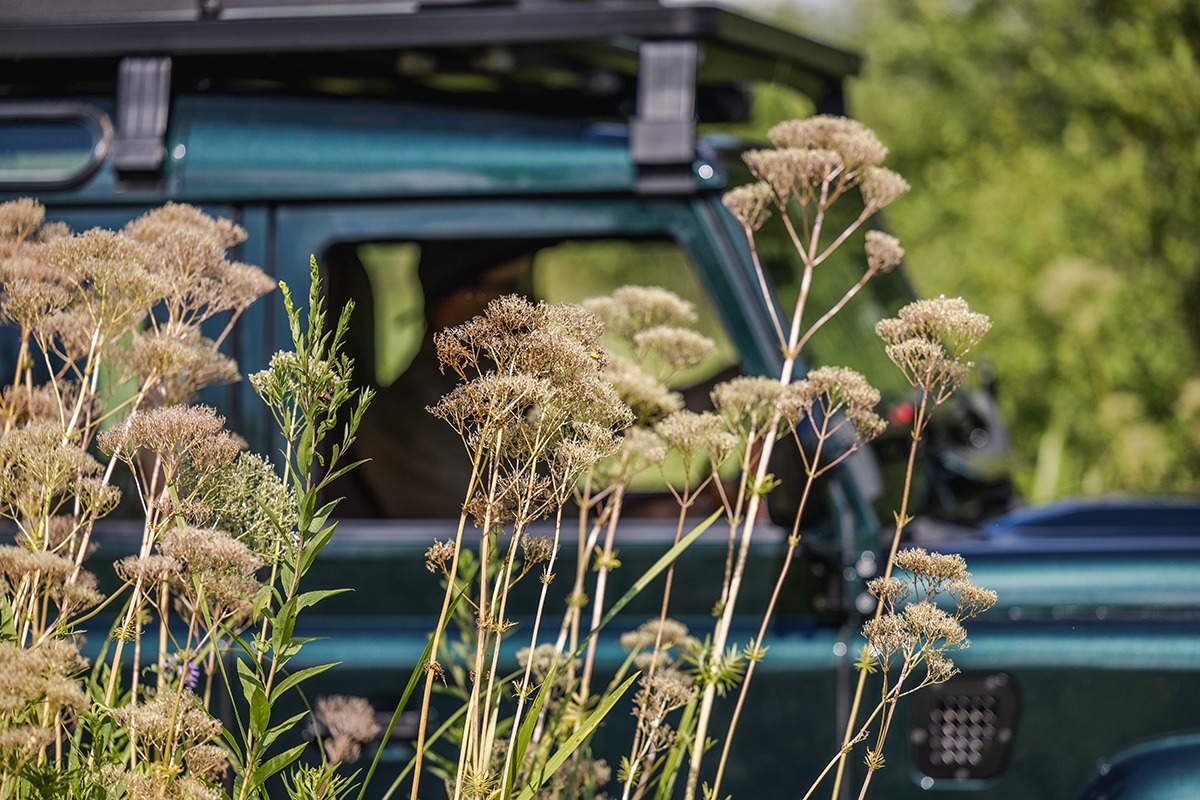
(470, 749)
(684, 504)
(887, 724)
(526, 678)
(793, 541)
(427, 692)
(721, 632)
(601, 584)
(901, 521)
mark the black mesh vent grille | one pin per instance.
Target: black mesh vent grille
(963, 729)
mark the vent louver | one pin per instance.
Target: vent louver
(963, 729)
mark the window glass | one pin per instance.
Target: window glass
(848, 339)
(399, 306)
(406, 291)
(574, 271)
(48, 150)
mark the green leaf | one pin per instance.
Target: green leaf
(650, 574)
(260, 712)
(307, 599)
(232, 750)
(283, 624)
(313, 547)
(413, 679)
(248, 678)
(299, 677)
(340, 471)
(321, 515)
(274, 765)
(525, 733)
(579, 737)
(274, 731)
(8, 621)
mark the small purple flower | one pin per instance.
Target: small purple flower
(186, 671)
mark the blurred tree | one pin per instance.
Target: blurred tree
(1054, 151)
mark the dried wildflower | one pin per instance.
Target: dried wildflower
(19, 566)
(202, 551)
(938, 668)
(216, 567)
(674, 635)
(20, 219)
(439, 556)
(888, 635)
(889, 591)
(170, 718)
(173, 218)
(112, 274)
(833, 390)
(947, 321)
(45, 674)
(934, 570)
(163, 782)
(676, 347)
(883, 252)
(647, 397)
(793, 173)
(77, 595)
(854, 142)
(24, 405)
(928, 340)
(39, 465)
(750, 204)
(666, 690)
(748, 403)
(180, 364)
(187, 248)
(349, 723)
(151, 570)
(25, 742)
(970, 599)
(689, 435)
(650, 306)
(540, 660)
(28, 303)
(195, 434)
(881, 187)
(640, 448)
(934, 625)
(586, 445)
(536, 550)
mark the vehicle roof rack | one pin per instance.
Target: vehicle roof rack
(662, 67)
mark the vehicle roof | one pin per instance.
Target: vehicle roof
(548, 44)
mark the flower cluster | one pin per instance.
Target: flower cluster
(914, 627)
(928, 341)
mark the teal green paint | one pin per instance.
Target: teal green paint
(277, 148)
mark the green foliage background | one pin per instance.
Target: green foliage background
(1054, 151)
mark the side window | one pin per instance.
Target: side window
(405, 291)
